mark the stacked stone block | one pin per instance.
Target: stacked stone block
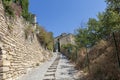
(17, 55)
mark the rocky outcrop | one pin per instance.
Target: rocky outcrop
(17, 55)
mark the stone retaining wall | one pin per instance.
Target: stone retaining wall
(17, 55)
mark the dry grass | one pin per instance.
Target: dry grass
(102, 61)
(104, 64)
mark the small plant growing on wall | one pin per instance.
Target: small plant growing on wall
(45, 38)
(29, 32)
(10, 28)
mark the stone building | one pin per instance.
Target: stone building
(63, 39)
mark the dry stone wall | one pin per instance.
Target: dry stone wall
(17, 55)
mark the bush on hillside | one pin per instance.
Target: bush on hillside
(29, 31)
(103, 62)
(45, 38)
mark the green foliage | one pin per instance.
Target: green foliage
(24, 4)
(8, 8)
(68, 46)
(17, 1)
(9, 11)
(113, 4)
(69, 50)
(45, 38)
(82, 37)
(50, 41)
(29, 31)
(111, 20)
(25, 11)
(100, 29)
(41, 35)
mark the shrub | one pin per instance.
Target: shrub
(18, 7)
(69, 50)
(45, 38)
(8, 8)
(29, 31)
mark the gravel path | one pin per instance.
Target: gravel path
(58, 68)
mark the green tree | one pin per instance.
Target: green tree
(111, 19)
(93, 33)
(82, 37)
(25, 11)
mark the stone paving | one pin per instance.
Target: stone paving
(65, 70)
(57, 68)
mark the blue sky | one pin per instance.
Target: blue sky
(60, 16)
